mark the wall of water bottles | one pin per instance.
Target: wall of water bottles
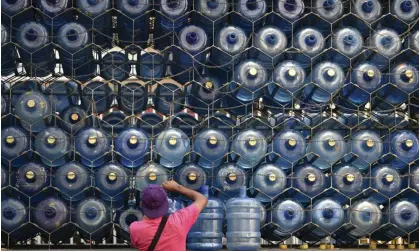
(311, 105)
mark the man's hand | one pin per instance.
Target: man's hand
(171, 186)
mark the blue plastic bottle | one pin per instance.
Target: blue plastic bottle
(328, 146)
(151, 66)
(32, 178)
(14, 219)
(207, 232)
(55, 13)
(248, 148)
(62, 95)
(169, 98)
(97, 97)
(54, 146)
(35, 49)
(249, 79)
(385, 44)
(9, 54)
(405, 146)
(368, 148)
(231, 42)
(328, 215)
(243, 223)
(111, 180)
(190, 56)
(268, 181)
(132, 146)
(125, 218)
(210, 147)
(367, 12)
(327, 79)
(11, 8)
(15, 145)
(133, 22)
(251, 13)
(386, 181)
(406, 11)
(93, 146)
(114, 66)
(310, 181)
(22, 87)
(329, 10)
(92, 218)
(349, 43)
(72, 179)
(364, 217)
(228, 179)
(171, 146)
(290, 10)
(403, 216)
(76, 55)
(309, 42)
(191, 176)
(212, 15)
(73, 119)
(150, 173)
(348, 180)
(132, 97)
(33, 110)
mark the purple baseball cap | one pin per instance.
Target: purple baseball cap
(154, 201)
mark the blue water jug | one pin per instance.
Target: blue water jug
(404, 145)
(328, 215)
(169, 98)
(228, 179)
(386, 44)
(387, 181)
(15, 146)
(73, 119)
(175, 205)
(287, 81)
(93, 146)
(210, 147)
(190, 56)
(97, 97)
(132, 146)
(11, 8)
(125, 218)
(249, 79)
(406, 12)
(309, 180)
(268, 181)
(71, 180)
(366, 78)
(33, 110)
(348, 180)
(366, 12)
(114, 122)
(269, 42)
(22, 87)
(9, 55)
(212, 15)
(231, 42)
(414, 45)
(76, 55)
(62, 95)
(248, 148)
(250, 15)
(329, 10)
(151, 122)
(403, 216)
(414, 178)
(290, 10)
(364, 217)
(367, 147)
(328, 147)
(32, 178)
(35, 49)
(15, 216)
(327, 79)
(114, 66)
(309, 42)
(171, 19)
(349, 43)
(132, 97)
(133, 22)
(52, 215)
(243, 223)
(150, 173)
(288, 147)
(151, 66)
(207, 232)
(111, 180)
(92, 218)
(97, 17)
(171, 146)
(191, 176)
(54, 13)
(54, 146)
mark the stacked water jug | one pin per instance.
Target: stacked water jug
(295, 118)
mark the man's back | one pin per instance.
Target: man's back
(174, 234)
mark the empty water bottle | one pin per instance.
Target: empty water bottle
(249, 79)
(169, 98)
(92, 145)
(54, 13)
(35, 49)
(387, 181)
(243, 223)
(268, 181)
(15, 215)
(212, 15)
(367, 12)
(309, 180)
(132, 146)
(32, 178)
(15, 146)
(191, 176)
(404, 145)
(206, 234)
(328, 146)
(132, 97)
(385, 44)
(349, 43)
(124, 220)
(364, 217)
(367, 147)
(348, 180)
(251, 13)
(13, 7)
(330, 10)
(97, 97)
(228, 179)
(230, 44)
(248, 148)
(150, 173)
(9, 54)
(210, 147)
(151, 66)
(327, 79)
(73, 119)
(171, 146)
(75, 53)
(403, 216)
(406, 12)
(72, 179)
(114, 66)
(33, 110)
(54, 146)
(291, 10)
(92, 218)
(111, 180)
(328, 215)
(309, 42)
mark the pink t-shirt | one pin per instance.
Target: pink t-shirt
(174, 234)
